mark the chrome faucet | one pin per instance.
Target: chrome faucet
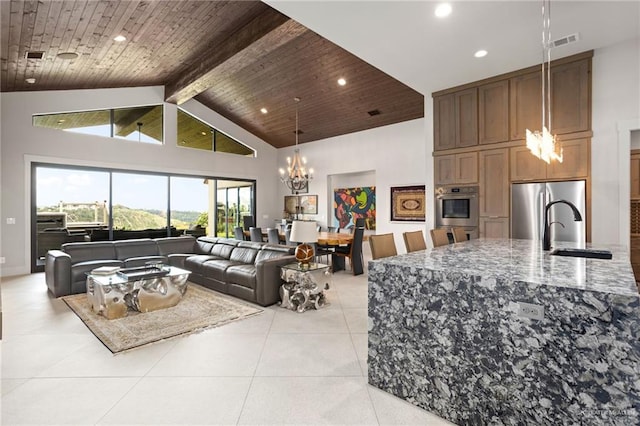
(546, 238)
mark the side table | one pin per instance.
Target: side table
(303, 288)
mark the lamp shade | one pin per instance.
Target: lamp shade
(303, 232)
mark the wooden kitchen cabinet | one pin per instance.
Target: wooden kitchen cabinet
(526, 166)
(635, 175)
(455, 120)
(575, 163)
(494, 182)
(456, 168)
(494, 227)
(525, 92)
(493, 112)
(571, 97)
(444, 122)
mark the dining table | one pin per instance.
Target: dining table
(335, 239)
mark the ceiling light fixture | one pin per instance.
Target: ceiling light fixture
(480, 53)
(30, 80)
(68, 56)
(296, 176)
(263, 110)
(342, 81)
(119, 38)
(443, 10)
(542, 143)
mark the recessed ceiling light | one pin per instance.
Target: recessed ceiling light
(443, 10)
(69, 56)
(203, 133)
(480, 54)
(30, 80)
(342, 81)
(119, 38)
(263, 110)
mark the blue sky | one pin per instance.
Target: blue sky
(132, 190)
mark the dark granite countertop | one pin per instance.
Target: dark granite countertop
(524, 260)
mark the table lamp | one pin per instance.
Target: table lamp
(304, 232)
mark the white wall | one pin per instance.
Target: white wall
(616, 107)
(393, 155)
(22, 144)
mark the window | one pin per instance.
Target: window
(194, 133)
(140, 124)
(77, 203)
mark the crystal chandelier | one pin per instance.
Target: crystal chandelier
(542, 143)
(296, 176)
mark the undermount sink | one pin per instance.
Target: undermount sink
(590, 253)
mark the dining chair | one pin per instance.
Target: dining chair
(238, 233)
(414, 241)
(248, 222)
(382, 245)
(273, 236)
(256, 234)
(439, 237)
(353, 251)
(459, 235)
(287, 236)
(331, 229)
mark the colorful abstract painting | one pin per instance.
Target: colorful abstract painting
(350, 204)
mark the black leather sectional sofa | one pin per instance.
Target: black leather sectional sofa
(244, 269)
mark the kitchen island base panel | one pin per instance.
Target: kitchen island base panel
(453, 344)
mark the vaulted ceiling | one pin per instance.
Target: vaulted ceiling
(235, 57)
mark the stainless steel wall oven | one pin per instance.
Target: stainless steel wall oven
(457, 206)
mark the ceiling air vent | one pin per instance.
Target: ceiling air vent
(374, 112)
(34, 55)
(566, 40)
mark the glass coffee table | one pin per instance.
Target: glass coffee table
(304, 287)
(142, 289)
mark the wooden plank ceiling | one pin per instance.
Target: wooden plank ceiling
(235, 57)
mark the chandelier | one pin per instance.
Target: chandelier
(543, 143)
(296, 176)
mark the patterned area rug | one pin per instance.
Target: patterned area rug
(199, 309)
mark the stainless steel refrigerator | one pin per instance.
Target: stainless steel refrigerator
(528, 201)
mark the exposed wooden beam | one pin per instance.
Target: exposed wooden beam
(260, 36)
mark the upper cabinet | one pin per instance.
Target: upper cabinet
(501, 108)
(493, 112)
(571, 97)
(526, 104)
(455, 120)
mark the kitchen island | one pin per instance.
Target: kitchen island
(497, 331)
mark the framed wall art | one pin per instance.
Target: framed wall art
(350, 204)
(408, 203)
(301, 204)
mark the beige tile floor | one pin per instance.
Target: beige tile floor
(280, 367)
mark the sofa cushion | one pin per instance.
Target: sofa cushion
(244, 275)
(205, 244)
(83, 252)
(194, 263)
(270, 251)
(244, 254)
(224, 248)
(174, 245)
(216, 268)
(135, 248)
